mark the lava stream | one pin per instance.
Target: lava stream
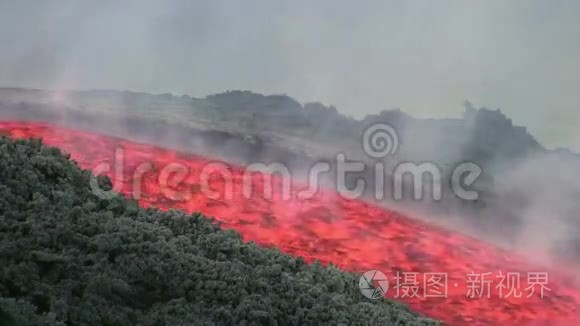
(354, 235)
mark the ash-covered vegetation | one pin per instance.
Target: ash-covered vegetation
(68, 257)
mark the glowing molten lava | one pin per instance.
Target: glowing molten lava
(351, 234)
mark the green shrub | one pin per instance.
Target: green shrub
(68, 256)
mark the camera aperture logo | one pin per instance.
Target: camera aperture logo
(373, 284)
(380, 140)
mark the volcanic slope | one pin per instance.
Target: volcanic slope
(70, 257)
(354, 235)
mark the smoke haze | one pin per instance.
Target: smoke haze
(423, 57)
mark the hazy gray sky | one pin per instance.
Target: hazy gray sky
(424, 57)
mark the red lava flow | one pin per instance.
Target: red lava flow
(354, 235)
